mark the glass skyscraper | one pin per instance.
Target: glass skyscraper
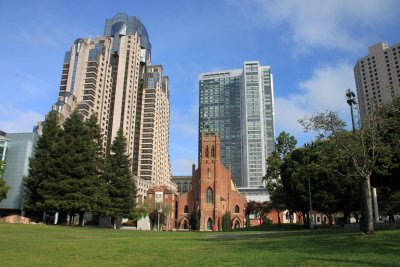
(239, 104)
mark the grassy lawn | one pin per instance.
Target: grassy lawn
(42, 245)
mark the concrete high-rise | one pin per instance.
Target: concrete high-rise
(377, 77)
(239, 105)
(111, 76)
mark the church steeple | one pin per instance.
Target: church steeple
(210, 146)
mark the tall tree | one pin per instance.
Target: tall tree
(364, 147)
(285, 144)
(79, 183)
(334, 184)
(42, 168)
(100, 198)
(121, 186)
(294, 175)
(3, 187)
(386, 176)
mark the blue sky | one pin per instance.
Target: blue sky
(311, 46)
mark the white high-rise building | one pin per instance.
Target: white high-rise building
(239, 104)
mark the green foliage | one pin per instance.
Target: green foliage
(363, 149)
(248, 221)
(226, 221)
(386, 175)
(154, 216)
(334, 186)
(3, 187)
(40, 184)
(259, 209)
(78, 187)
(273, 182)
(285, 143)
(2, 168)
(194, 221)
(65, 172)
(117, 173)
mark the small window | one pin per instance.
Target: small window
(237, 209)
(206, 152)
(186, 209)
(212, 151)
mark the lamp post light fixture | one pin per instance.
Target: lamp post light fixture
(351, 100)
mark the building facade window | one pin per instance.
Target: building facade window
(237, 209)
(209, 195)
(206, 152)
(186, 209)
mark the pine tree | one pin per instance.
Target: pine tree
(100, 198)
(3, 187)
(79, 180)
(121, 187)
(38, 196)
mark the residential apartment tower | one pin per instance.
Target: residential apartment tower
(377, 77)
(111, 76)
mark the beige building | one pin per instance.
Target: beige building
(377, 77)
(111, 76)
(183, 183)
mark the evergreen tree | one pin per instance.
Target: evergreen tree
(40, 182)
(121, 187)
(3, 187)
(79, 183)
(100, 198)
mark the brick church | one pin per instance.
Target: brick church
(213, 193)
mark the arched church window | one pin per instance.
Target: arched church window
(186, 209)
(209, 195)
(206, 152)
(212, 152)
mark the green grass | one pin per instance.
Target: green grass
(42, 245)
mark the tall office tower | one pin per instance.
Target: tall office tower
(377, 77)
(239, 104)
(108, 76)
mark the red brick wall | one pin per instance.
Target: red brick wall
(211, 174)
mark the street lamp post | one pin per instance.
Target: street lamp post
(309, 198)
(351, 100)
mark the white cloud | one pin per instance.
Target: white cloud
(16, 121)
(309, 24)
(324, 90)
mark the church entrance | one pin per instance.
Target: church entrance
(209, 224)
